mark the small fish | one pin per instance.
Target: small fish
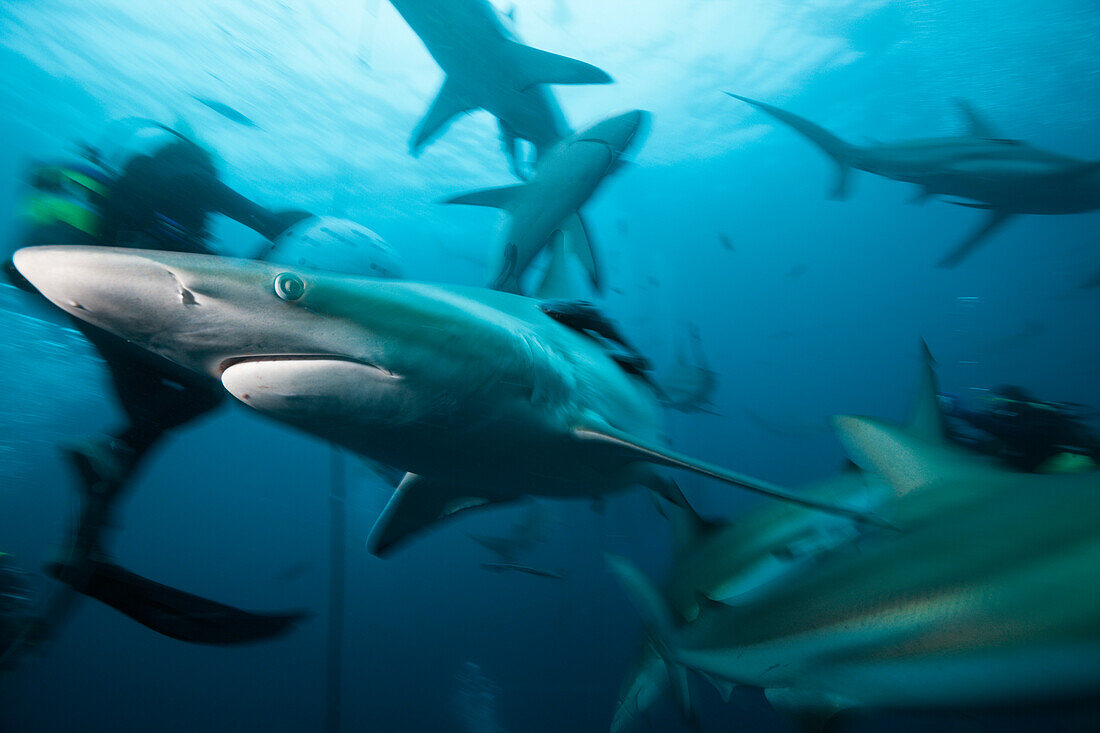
(796, 272)
(500, 567)
(294, 571)
(726, 242)
(226, 111)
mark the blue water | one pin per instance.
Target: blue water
(817, 311)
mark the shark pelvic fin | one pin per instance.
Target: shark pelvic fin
(417, 503)
(996, 220)
(579, 242)
(542, 67)
(447, 105)
(169, 611)
(837, 149)
(633, 449)
(659, 622)
(494, 198)
(812, 710)
(557, 282)
(976, 125)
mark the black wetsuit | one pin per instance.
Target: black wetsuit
(1027, 436)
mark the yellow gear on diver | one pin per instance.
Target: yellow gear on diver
(65, 196)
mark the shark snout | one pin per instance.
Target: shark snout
(618, 132)
(122, 292)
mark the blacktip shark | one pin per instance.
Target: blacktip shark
(986, 596)
(1004, 176)
(548, 206)
(480, 396)
(487, 68)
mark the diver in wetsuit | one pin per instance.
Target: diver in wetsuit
(1023, 431)
(160, 200)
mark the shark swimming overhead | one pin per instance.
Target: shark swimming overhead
(548, 206)
(983, 598)
(1002, 176)
(486, 67)
(479, 395)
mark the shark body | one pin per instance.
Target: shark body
(479, 395)
(548, 206)
(1003, 176)
(487, 68)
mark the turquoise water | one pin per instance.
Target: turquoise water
(814, 308)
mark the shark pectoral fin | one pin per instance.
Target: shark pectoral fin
(494, 198)
(169, 611)
(659, 622)
(631, 448)
(997, 219)
(542, 67)
(447, 105)
(417, 503)
(976, 125)
(579, 242)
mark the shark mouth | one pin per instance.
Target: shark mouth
(235, 360)
(305, 384)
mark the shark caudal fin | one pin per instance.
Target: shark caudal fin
(169, 611)
(659, 622)
(447, 105)
(416, 504)
(837, 149)
(533, 66)
(630, 448)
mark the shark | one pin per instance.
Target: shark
(981, 595)
(1003, 176)
(546, 209)
(733, 561)
(488, 68)
(480, 396)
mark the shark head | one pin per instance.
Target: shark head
(336, 355)
(617, 133)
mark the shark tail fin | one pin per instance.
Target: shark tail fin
(169, 611)
(447, 105)
(659, 623)
(542, 67)
(840, 151)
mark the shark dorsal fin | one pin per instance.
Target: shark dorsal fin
(925, 419)
(976, 125)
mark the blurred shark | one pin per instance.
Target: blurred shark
(549, 204)
(521, 540)
(986, 597)
(732, 562)
(691, 383)
(486, 67)
(1003, 176)
(480, 395)
(501, 567)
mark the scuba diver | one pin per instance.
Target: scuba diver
(1026, 433)
(16, 608)
(159, 195)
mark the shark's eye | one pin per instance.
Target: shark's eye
(289, 286)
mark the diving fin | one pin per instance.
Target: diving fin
(542, 67)
(417, 503)
(997, 218)
(447, 105)
(169, 611)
